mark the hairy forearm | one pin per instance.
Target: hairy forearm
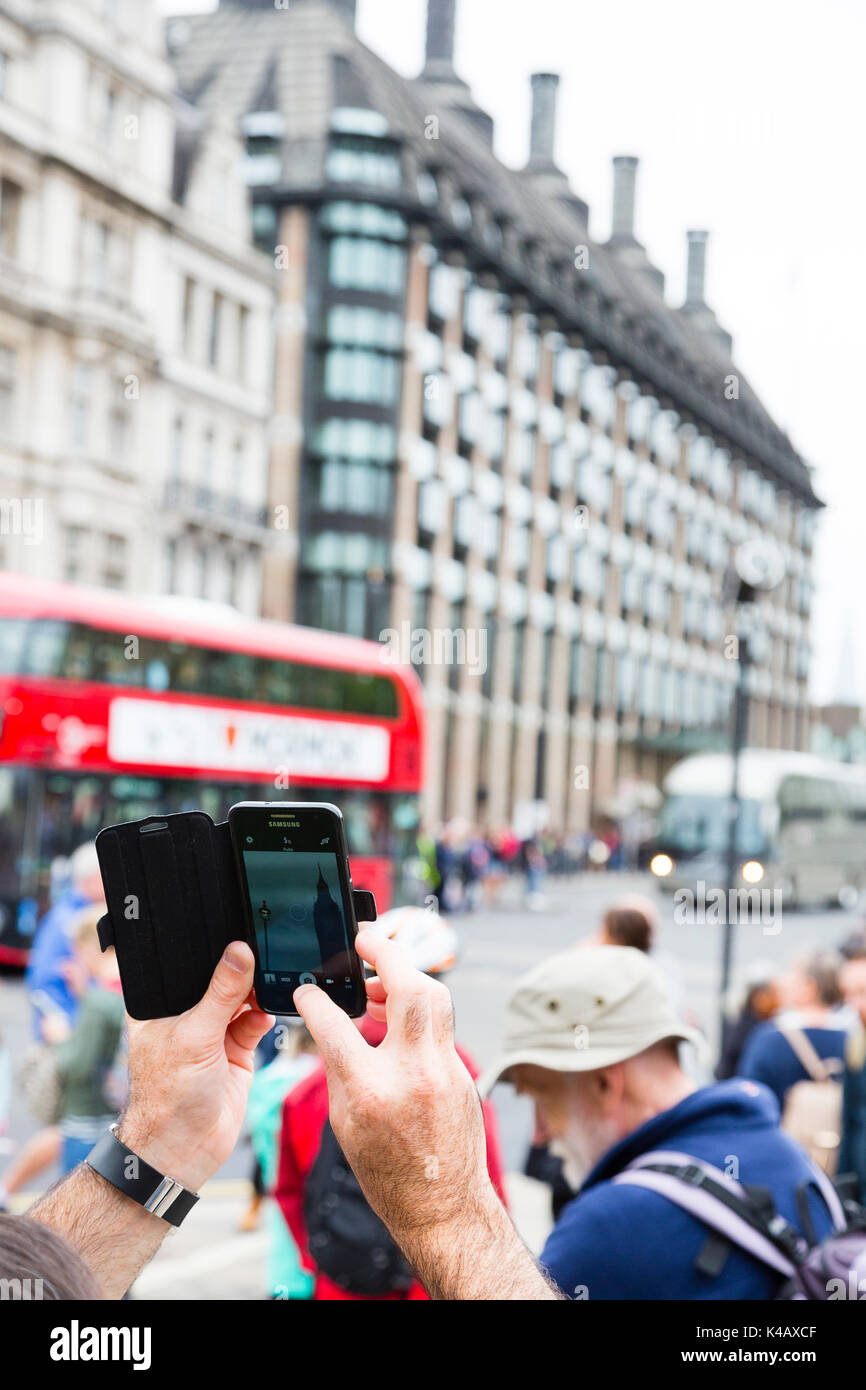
(478, 1257)
(114, 1236)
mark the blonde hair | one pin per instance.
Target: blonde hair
(82, 930)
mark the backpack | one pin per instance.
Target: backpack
(746, 1217)
(346, 1240)
(812, 1113)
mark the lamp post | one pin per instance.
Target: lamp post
(759, 567)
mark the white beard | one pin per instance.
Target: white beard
(574, 1169)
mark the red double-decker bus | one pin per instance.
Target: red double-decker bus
(115, 707)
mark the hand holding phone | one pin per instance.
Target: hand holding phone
(293, 867)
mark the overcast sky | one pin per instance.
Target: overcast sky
(748, 120)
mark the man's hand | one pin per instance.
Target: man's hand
(190, 1075)
(408, 1117)
(189, 1079)
(407, 1114)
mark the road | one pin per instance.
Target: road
(208, 1258)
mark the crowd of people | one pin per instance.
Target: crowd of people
(464, 867)
(375, 1140)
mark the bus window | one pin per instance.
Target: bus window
(13, 640)
(114, 659)
(699, 824)
(808, 799)
(233, 675)
(45, 643)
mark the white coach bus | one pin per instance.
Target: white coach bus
(802, 825)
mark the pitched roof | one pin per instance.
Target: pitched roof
(306, 60)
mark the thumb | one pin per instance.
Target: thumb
(227, 992)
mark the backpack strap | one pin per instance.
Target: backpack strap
(832, 1200)
(803, 1048)
(720, 1203)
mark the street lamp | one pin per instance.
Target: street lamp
(759, 567)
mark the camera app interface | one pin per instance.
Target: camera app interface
(293, 883)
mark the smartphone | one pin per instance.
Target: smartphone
(296, 887)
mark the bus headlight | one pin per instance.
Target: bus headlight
(661, 865)
(752, 871)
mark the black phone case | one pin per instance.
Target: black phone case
(174, 904)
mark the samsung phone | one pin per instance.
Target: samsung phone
(297, 889)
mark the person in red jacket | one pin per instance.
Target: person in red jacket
(431, 945)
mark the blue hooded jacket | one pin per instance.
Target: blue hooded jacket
(621, 1241)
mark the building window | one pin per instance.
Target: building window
(82, 378)
(363, 264)
(239, 449)
(75, 549)
(114, 565)
(264, 226)
(207, 457)
(188, 321)
(103, 109)
(443, 291)
(170, 566)
(177, 442)
(517, 667)
(8, 381)
(10, 217)
(262, 159)
(354, 374)
(363, 219)
(216, 314)
(242, 342)
(363, 159)
(106, 256)
(361, 489)
(358, 326)
(360, 439)
(528, 353)
(427, 187)
(120, 430)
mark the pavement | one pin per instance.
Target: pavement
(209, 1258)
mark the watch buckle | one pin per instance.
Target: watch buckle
(163, 1197)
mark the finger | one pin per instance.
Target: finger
(228, 990)
(407, 991)
(442, 1011)
(375, 989)
(340, 1045)
(248, 1029)
(377, 1011)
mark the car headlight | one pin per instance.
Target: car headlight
(752, 871)
(661, 865)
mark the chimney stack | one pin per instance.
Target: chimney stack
(696, 268)
(439, 54)
(624, 181)
(543, 128)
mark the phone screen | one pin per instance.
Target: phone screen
(295, 877)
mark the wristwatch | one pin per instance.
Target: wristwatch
(161, 1195)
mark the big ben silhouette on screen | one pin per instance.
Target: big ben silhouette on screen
(328, 921)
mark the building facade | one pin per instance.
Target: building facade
(501, 449)
(135, 315)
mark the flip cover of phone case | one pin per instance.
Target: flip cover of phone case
(174, 904)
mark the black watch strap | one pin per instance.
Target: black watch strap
(161, 1195)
